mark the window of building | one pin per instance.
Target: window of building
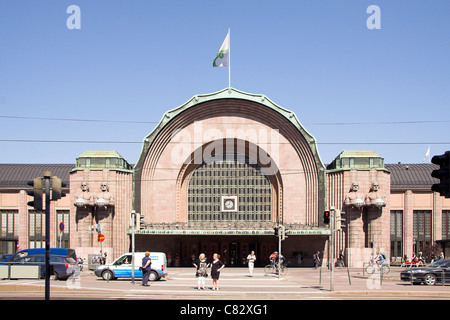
(37, 229)
(63, 237)
(446, 224)
(396, 233)
(9, 226)
(421, 229)
(229, 181)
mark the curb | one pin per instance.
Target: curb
(391, 293)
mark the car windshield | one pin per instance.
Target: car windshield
(439, 263)
(126, 259)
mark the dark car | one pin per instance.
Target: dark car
(39, 251)
(430, 275)
(62, 266)
(4, 257)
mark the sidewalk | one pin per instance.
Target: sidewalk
(236, 284)
(355, 282)
(352, 282)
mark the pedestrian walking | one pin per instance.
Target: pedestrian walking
(251, 258)
(216, 267)
(299, 259)
(201, 272)
(146, 268)
(341, 259)
(316, 258)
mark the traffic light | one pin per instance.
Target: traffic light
(57, 185)
(326, 217)
(133, 219)
(275, 229)
(283, 233)
(340, 220)
(137, 220)
(337, 219)
(37, 193)
(443, 174)
(140, 221)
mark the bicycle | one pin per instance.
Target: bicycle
(370, 269)
(273, 268)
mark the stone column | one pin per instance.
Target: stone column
(408, 238)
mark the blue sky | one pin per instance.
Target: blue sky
(133, 62)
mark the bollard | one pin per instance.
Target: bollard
(443, 277)
(411, 276)
(381, 275)
(349, 278)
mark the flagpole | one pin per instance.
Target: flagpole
(229, 59)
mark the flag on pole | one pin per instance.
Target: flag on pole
(221, 59)
(427, 154)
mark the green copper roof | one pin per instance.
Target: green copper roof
(101, 159)
(357, 159)
(100, 154)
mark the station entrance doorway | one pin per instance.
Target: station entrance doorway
(233, 251)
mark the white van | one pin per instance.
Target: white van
(121, 267)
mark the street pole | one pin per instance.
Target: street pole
(133, 222)
(46, 179)
(41, 189)
(332, 225)
(279, 250)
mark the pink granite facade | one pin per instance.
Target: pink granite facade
(384, 210)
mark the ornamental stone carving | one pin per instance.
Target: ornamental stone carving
(84, 198)
(373, 198)
(104, 198)
(354, 198)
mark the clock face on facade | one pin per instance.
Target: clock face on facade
(229, 203)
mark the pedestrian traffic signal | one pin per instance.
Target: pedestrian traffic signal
(326, 217)
(275, 229)
(37, 193)
(443, 174)
(57, 185)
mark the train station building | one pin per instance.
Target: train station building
(218, 174)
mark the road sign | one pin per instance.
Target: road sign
(61, 226)
(101, 238)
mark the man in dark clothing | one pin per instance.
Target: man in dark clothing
(316, 258)
(146, 268)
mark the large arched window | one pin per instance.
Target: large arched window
(229, 187)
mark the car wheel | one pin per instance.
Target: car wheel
(107, 275)
(429, 279)
(153, 276)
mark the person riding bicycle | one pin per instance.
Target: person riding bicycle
(273, 258)
(379, 259)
